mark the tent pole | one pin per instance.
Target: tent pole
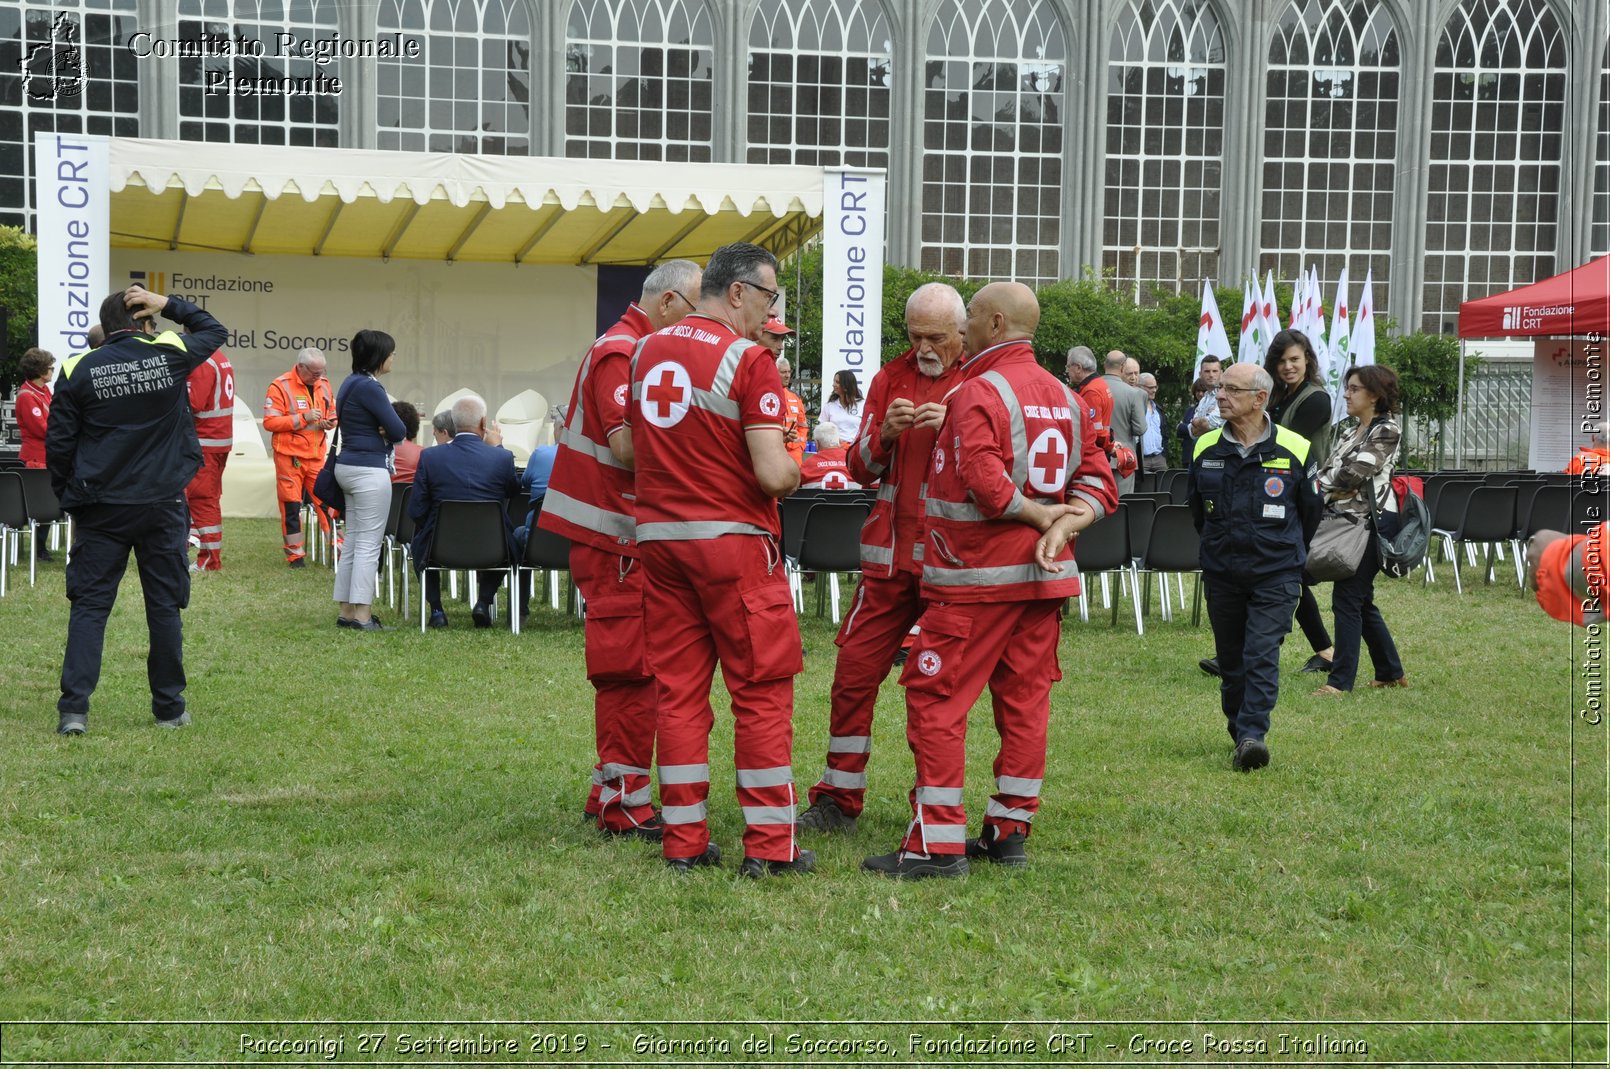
(1459, 413)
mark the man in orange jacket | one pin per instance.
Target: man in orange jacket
(1590, 459)
(1570, 573)
(299, 409)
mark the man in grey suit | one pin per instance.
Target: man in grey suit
(1128, 412)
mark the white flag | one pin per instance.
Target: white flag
(1271, 314)
(1248, 349)
(1337, 363)
(1362, 342)
(1211, 340)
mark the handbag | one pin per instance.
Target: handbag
(1405, 551)
(325, 488)
(1337, 547)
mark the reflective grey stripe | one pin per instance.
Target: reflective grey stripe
(215, 441)
(916, 553)
(768, 814)
(610, 772)
(641, 796)
(209, 530)
(608, 796)
(575, 439)
(888, 491)
(1023, 788)
(1091, 500)
(1020, 433)
(944, 833)
(878, 554)
(589, 517)
(779, 776)
(684, 531)
(1092, 481)
(598, 778)
(939, 796)
(215, 413)
(684, 774)
(855, 781)
(864, 447)
(849, 744)
(961, 511)
(209, 545)
(1001, 576)
(682, 814)
(727, 370)
(714, 402)
(1000, 812)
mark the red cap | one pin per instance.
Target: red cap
(777, 326)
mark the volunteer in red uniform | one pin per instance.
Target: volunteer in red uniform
(716, 589)
(212, 401)
(1085, 378)
(903, 410)
(1571, 573)
(299, 409)
(589, 501)
(33, 405)
(828, 468)
(1016, 459)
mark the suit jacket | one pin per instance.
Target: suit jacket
(1128, 412)
(465, 469)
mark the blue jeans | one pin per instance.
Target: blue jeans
(1353, 604)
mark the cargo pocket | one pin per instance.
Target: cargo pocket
(616, 637)
(936, 657)
(773, 631)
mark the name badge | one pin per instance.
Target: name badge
(1274, 512)
(1213, 463)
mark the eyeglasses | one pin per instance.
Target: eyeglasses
(1235, 389)
(771, 295)
(685, 300)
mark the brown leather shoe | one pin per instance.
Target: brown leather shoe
(1327, 690)
(1400, 681)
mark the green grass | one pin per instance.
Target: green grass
(385, 827)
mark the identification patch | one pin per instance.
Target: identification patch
(1274, 512)
(623, 393)
(301, 402)
(1273, 486)
(929, 663)
(770, 404)
(1213, 463)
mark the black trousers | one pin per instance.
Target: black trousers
(103, 535)
(1250, 616)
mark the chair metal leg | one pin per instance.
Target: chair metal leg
(422, 603)
(1084, 603)
(33, 551)
(1458, 584)
(1517, 552)
(1168, 605)
(1106, 592)
(514, 594)
(833, 589)
(1134, 584)
(1196, 603)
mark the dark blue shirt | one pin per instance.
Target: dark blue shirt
(368, 423)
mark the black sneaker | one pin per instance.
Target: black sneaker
(1009, 851)
(900, 656)
(1316, 663)
(72, 723)
(755, 868)
(481, 614)
(180, 721)
(651, 830)
(1250, 754)
(711, 858)
(824, 815)
(299, 562)
(1210, 665)
(903, 866)
(438, 619)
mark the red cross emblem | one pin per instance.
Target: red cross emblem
(666, 392)
(1048, 463)
(929, 663)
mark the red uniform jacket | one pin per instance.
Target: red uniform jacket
(33, 413)
(827, 468)
(1098, 408)
(212, 400)
(892, 531)
(590, 493)
(697, 388)
(1012, 431)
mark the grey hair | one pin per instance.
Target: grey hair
(782, 362)
(468, 412)
(442, 421)
(938, 293)
(1261, 379)
(672, 275)
(307, 356)
(1147, 376)
(1081, 357)
(826, 436)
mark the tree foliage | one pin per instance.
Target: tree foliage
(1428, 372)
(19, 271)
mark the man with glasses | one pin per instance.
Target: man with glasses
(1253, 497)
(708, 534)
(589, 501)
(299, 410)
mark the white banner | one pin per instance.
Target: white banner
(1568, 399)
(852, 274)
(72, 196)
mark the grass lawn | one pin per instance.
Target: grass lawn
(385, 828)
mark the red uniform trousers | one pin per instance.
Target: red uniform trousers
(724, 598)
(625, 696)
(293, 476)
(206, 517)
(872, 633)
(1012, 647)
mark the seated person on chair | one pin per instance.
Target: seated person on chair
(472, 467)
(827, 467)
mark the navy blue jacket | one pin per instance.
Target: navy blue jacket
(465, 469)
(369, 425)
(1256, 513)
(120, 430)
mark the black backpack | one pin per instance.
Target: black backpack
(1405, 551)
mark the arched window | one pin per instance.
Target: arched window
(638, 81)
(1600, 241)
(250, 83)
(992, 140)
(1330, 141)
(63, 66)
(1497, 105)
(819, 83)
(469, 89)
(1165, 143)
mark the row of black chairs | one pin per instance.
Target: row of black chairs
(1137, 540)
(27, 504)
(1471, 512)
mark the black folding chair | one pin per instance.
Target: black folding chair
(1103, 548)
(1489, 520)
(469, 535)
(43, 511)
(548, 553)
(1543, 508)
(1174, 547)
(400, 493)
(1445, 501)
(13, 521)
(831, 543)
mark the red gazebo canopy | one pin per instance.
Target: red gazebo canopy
(1569, 305)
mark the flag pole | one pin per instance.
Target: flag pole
(1459, 413)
